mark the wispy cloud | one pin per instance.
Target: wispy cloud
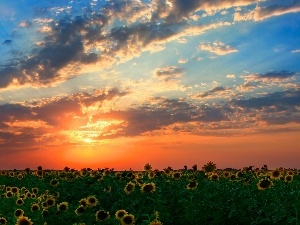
(218, 48)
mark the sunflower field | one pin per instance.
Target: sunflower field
(150, 197)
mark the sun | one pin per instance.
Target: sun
(87, 140)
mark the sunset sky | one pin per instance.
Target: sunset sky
(119, 84)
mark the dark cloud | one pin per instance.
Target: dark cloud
(7, 42)
(278, 75)
(211, 92)
(286, 98)
(166, 112)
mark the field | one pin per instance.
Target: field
(205, 195)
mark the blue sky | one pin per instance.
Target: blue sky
(94, 73)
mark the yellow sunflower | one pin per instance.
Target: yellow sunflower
(288, 178)
(54, 182)
(127, 220)
(176, 175)
(120, 214)
(35, 207)
(50, 201)
(209, 167)
(3, 221)
(19, 201)
(192, 185)
(92, 201)
(23, 220)
(83, 202)
(80, 210)
(62, 207)
(147, 167)
(149, 187)
(275, 174)
(18, 213)
(101, 215)
(129, 187)
(45, 213)
(263, 184)
(155, 222)
(214, 177)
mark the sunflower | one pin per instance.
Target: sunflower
(176, 175)
(150, 187)
(147, 167)
(50, 201)
(28, 195)
(214, 177)
(226, 174)
(20, 176)
(80, 210)
(35, 207)
(239, 174)
(56, 195)
(129, 187)
(20, 201)
(92, 201)
(23, 220)
(3, 221)
(35, 190)
(127, 220)
(62, 207)
(18, 213)
(155, 222)
(209, 167)
(151, 174)
(192, 185)
(168, 171)
(83, 202)
(263, 184)
(275, 174)
(54, 182)
(15, 190)
(101, 215)
(191, 177)
(120, 214)
(45, 213)
(44, 205)
(39, 173)
(288, 178)
(9, 194)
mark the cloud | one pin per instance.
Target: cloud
(274, 76)
(296, 51)
(215, 90)
(218, 48)
(25, 24)
(230, 76)
(168, 73)
(262, 13)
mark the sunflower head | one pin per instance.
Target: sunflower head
(62, 207)
(192, 185)
(50, 201)
(120, 214)
(101, 215)
(80, 210)
(45, 213)
(288, 178)
(84, 202)
(23, 220)
(129, 187)
(263, 184)
(214, 177)
(209, 167)
(3, 221)
(176, 175)
(18, 213)
(19, 201)
(149, 187)
(128, 219)
(35, 207)
(92, 201)
(147, 167)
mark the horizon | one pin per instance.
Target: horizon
(118, 84)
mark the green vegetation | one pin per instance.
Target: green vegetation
(206, 196)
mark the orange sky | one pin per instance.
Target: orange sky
(275, 150)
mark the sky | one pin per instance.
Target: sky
(119, 84)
